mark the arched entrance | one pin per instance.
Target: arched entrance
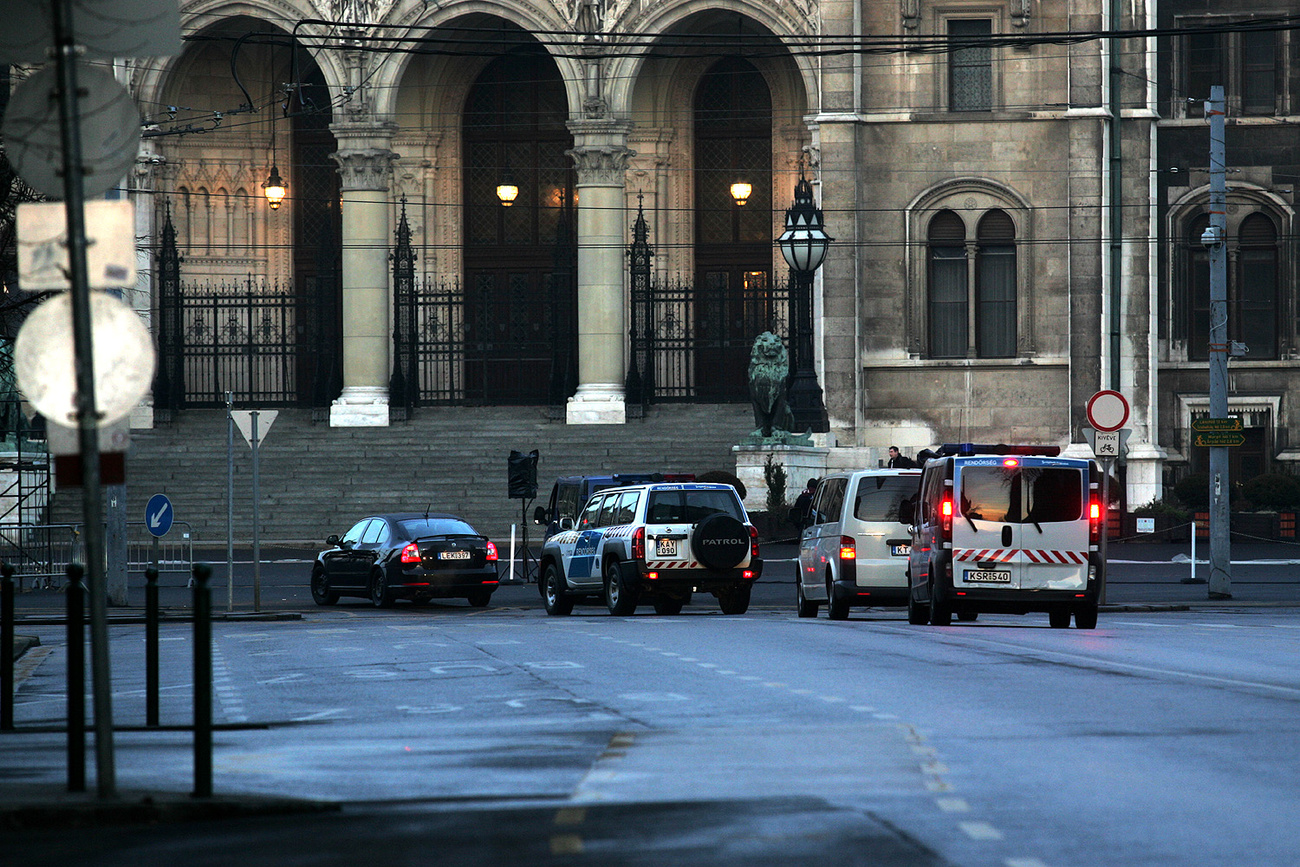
(733, 243)
(520, 333)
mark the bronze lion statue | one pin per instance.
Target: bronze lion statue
(769, 367)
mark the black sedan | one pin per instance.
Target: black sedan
(414, 555)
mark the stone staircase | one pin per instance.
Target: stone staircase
(316, 480)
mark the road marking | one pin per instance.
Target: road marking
(324, 714)
(1023, 862)
(980, 830)
(552, 665)
(831, 698)
(953, 805)
(566, 844)
(571, 816)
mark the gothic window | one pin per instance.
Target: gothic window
(995, 287)
(970, 65)
(947, 285)
(1252, 290)
(972, 310)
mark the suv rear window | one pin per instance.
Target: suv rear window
(691, 507)
(1022, 495)
(878, 496)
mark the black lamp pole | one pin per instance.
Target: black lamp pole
(804, 244)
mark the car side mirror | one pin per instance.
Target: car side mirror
(332, 539)
(566, 523)
(540, 516)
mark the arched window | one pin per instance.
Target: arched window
(947, 286)
(1198, 291)
(995, 287)
(1255, 299)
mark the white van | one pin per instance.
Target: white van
(1006, 529)
(854, 550)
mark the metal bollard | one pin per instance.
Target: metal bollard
(202, 681)
(151, 646)
(7, 648)
(76, 679)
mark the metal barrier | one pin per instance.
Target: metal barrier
(40, 553)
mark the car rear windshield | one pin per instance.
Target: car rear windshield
(691, 507)
(878, 496)
(1022, 495)
(418, 528)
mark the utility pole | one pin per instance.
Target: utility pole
(1215, 237)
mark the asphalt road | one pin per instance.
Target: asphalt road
(501, 735)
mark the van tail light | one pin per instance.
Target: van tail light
(491, 552)
(411, 553)
(753, 541)
(848, 548)
(1094, 522)
(945, 517)
(638, 544)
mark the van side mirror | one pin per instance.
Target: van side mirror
(540, 516)
(566, 523)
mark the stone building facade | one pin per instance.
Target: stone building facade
(1010, 236)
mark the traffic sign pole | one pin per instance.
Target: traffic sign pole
(1220, 584)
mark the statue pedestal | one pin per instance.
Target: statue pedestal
(801, 462)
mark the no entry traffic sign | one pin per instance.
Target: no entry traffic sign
(1107, 410)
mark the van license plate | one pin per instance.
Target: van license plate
(988, 576)
(900, 550)
(453, 555)
(666, 547)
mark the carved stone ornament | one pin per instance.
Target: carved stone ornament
(1021, 12)
(911, 14)
(365, 168)
(601, 164)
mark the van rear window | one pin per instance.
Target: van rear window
(878, 496)
(1022, 495)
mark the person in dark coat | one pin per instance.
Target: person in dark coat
(898, 460)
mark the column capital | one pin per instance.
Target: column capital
(364, 156)
(600, 152)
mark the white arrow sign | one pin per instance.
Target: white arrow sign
(244, 421)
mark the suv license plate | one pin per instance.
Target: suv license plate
(988, 576)
(900, 550)
(453, 555)
(666, 547)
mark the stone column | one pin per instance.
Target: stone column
(601, 156)
(365, 163)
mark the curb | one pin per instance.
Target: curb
(79, 810)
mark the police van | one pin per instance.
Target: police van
(1006, 529)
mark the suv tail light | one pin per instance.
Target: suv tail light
(491, 551)
(411, 553)
(638, 544)
(1094, 522)
(848, 548)
(753, 541)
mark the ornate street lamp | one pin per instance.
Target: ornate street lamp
(507, 190)
(804, 244)
(741, 191)
(274, 188)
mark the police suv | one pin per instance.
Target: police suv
(1005, 529)
(656, 543)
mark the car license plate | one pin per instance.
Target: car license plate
(453, 555)
(988, 576)
(900, 550)
(666, 547)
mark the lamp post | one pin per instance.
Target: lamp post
(804, 244)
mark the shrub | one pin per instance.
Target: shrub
(723, 477)
(774, 476)
(1274, 491)
(1159, 508)
(1193, 490)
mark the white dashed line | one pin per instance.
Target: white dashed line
(980, 830)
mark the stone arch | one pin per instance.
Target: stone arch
(969, 199)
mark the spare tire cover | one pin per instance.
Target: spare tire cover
(720, 542)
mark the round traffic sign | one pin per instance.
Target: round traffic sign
(158, 515)
(1107, 410)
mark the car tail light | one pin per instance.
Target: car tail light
(491, 551)
(411, 553)
(848, 548)
(652, 575)
(945, 516)
(747, 574)
(1094, 522)
(753, 541)
(638, 544)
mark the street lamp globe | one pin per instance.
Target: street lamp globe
(804, 242)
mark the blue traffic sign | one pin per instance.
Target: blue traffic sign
(158, 515)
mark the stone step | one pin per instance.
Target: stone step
(316, 480)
